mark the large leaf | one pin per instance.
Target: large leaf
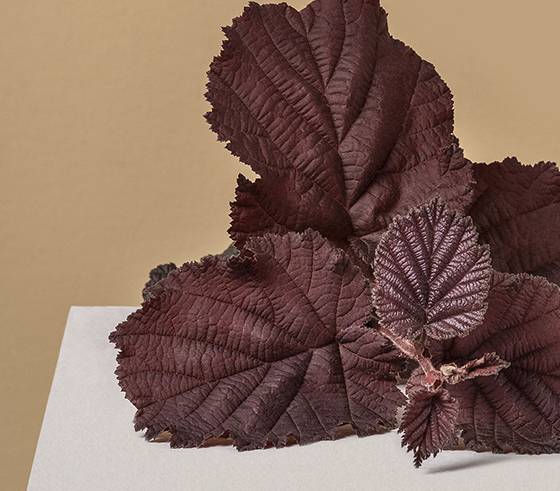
(431, 274)
(346, 126)
(517, 212)
(262, 345)
(520, 406)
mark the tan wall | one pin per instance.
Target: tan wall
(108, 168)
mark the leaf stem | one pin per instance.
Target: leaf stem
(416, 352)
(486, 365)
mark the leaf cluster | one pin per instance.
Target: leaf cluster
(369, 249)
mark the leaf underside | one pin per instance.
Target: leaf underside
(431, 274)
(517, 212)
(264, 345)
(346, 126)
(519, 407)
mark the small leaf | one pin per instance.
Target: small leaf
(431, 274)
(520, 406)
(485, 366)
(517, 212)
(346, 126)
(262, 345)
(157, 274)
(230, 251)
(429, 423)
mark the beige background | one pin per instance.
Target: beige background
(108, 168)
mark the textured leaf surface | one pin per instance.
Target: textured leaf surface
(262, 345)
(346, 126)
(519, 407)
(517, 212)
(429, 423)
(431, 274)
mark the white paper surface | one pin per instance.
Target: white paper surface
(87, 442)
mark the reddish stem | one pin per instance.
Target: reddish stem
(488, 364)
(410, 349)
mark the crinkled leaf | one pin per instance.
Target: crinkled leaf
(520, 406)
(157, 274)
(517, 212)
(346, 126)
(431, 274)
(231, 251)
(161, 271)
(487, 365)
(429, 423)
(262, 345)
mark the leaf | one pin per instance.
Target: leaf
(157, 274)
(262, 345)
(429, 423)
(230, 251)
(519, 407)
(431, 274)
(487, 365)
(346, 126)
(161, 271)
(517, 212)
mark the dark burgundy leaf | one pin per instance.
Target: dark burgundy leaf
(519, 407)
(429, 423)
(161, 271)
(517, 212)
(157, 274)
(346, 126)
(431, 274)
(262, 345)
(370, 365)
